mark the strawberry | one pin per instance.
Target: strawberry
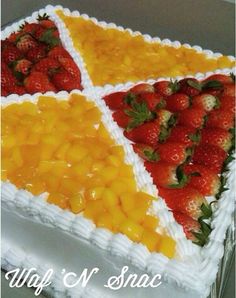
(4, 92)
(212, 87)
(227, 103)
(164, 117)
(223, 79)
(229, 90)
(195, 231)
(70, 66)
(29, 27)
(186, 200)
(166, 175)
(44, 21)
(143, 87)
(115, 100)
(173, 153)
(63, 80)
(5, 44)
(190, 86)
(192, 117)
(22, 66)
(7, 78)
(121, 118)
(220, 119)
(47, 65)
(152, 100)
(218, 137)
(177, 102)
(19, 90)
(210, 156)
(14, 36)
(145, 152)
(26, 42)
(205, 101)
(203, 179)
(37, 53)
(184, 134)
(146, 133)
(10, 54)
(38, 82)
(49, 36)
(58, 52)
(166, 88)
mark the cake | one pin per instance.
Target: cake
(102, 161)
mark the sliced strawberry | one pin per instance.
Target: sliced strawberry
(146, 133)
(166, 88)
(203, 179)
(63, 80)
(210, 156)
(227, 103)
(166, 175)
(145, 152)
(121, 118)
(218, 137)
(184, 134)
(190, 86)
(177, 102)
(198, 232)
(205, 101)
(173, 153)
(38, 82)
(186, 200)
(152, 100)
(192, 117)
(220, 119)
(143, 87)
(115, 100)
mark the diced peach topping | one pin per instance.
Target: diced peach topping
(45, 149)
(114, 56)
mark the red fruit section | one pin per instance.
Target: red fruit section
(183, 131)
(34, 60)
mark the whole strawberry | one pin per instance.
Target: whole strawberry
(26, 42)
(190, 86)
(223, 79)
(70, 66)
(177, 102)
(218, 137)
(7, 78)
(203, 179)
(22, 66)
(115, 100)
(63, 80)
(29, 27)
(38, 82)
(45, 22)
(147, 133)
(166, 88)
(195, 231)
(220, 119)
(58, 52)
(205, 101)
(10, 54)
(192, 117)
(153, 100)
(229, 90)
(121, 118)
(172, 152)
(210, 156)
(37, 53)
(166, 175)
(186, 200)
(141, 88)
(47, 65)
(184, 134)
(227, 103)
(19, 90)
(146, 152)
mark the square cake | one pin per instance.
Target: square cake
(117, 150)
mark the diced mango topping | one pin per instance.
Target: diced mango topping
(113, 56)
(47, 147)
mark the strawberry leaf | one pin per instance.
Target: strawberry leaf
(129, 98)
(195, 137)
(194, 85)
(212, 84)
(151, 155)
(181, 177)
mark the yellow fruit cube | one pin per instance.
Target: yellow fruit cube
(52, 182)
(150, 222)
(104, 220)
(127, 201)
(58, 199)
(138, 214)
(77, 203)
(62, 151)
(167, 246)
(46, 103)
(17, 157)
(132, 230)
(94, 193)
(151, 239)
(93, 209)
(118, 187)
(109, 173)
(8, 141)
(69, 187)
(28, 108)
(110, 199)
(76, 153)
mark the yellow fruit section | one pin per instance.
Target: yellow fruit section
(114, 56)
(46, 147)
